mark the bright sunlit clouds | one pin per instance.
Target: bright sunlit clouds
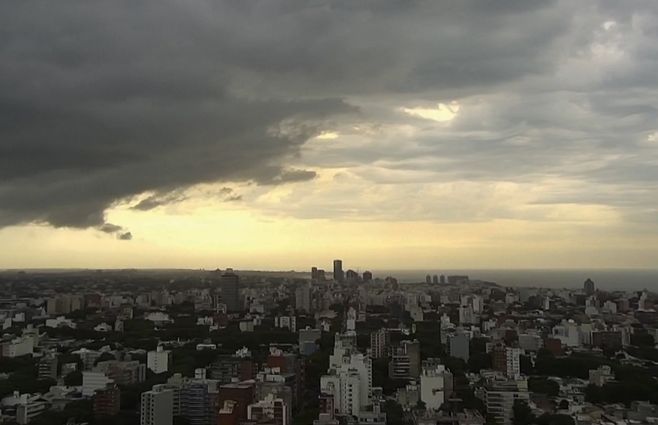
(280, 134)
(442, 113)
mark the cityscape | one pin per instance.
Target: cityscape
(329, 212)
(323, 347)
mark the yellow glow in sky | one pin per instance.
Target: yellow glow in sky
(442, 113)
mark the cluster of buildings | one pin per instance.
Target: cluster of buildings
(429, 348)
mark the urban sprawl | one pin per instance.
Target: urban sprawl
(228, 347)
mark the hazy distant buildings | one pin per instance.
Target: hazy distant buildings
(351, 276)
(589, 287)
(303, 298)
(230, 284)
(339, 275)
(435, 279)
(443, 279)
(367, 276)
(458, 279)
(428, 279)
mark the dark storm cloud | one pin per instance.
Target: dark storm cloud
(125, 236)
(159, 199)
(100, 102)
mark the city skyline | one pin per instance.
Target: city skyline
(416, 135)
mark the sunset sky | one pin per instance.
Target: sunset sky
(280, 134)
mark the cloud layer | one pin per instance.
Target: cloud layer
(539, 104)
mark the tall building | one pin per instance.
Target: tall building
(159, 360)
(107, 401)
(239, 366)
(92, 381)
(499, 398)
(303, 298)
(230, 284)
(367, 276)
(48, 367)
(339, 275)
(405, 361)
(308, 341)
(443, 279)
(269, 410)
(199, 401)
(314, 273)
(435, 279)
(589, 287)
(428, 279)
(379, 343)
(122, 372)
(157, 407)
(435, 384)
(459, 345)
(234, 401)
(506, 360)
(351, 276)
(349, 379)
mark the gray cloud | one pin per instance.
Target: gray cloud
(101, 102)
(127, 236)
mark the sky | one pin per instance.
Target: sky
(280, 134)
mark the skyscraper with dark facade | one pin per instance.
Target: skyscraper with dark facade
(230, 284)
(339, 275)
(589, 287)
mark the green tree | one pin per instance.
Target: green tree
(522, 413)
(73, 379)
(543, 385)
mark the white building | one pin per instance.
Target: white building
(567, 332)
(156, 407)
(270, 408)
(103, 327)
(513, 360)
(601, 376)
(349, 379)
(286, 322)
(92, 381)
(246, 325)
(88, 357)
(18, 347)
(609, 307)
(60, 322)
(435, 385)
(158, 361)
(158, 318)
(27, 406)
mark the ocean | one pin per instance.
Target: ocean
(606, 279)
